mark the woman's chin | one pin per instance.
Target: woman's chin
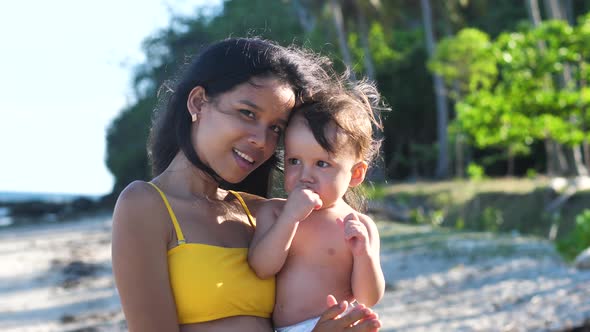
(235, 179)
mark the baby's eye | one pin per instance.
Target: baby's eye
(293, 161)
(322, 164)
(248, 113)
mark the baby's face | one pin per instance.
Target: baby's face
(308, 164)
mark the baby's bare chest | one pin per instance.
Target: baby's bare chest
(320, 240)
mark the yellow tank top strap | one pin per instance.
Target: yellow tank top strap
(179, 234)
(250, 217)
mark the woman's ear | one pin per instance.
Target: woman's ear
(195, 101)
(359, 170)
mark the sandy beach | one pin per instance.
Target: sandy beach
(58, 277)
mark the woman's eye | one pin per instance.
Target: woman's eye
(293, 161)
(248, 113)
(277, 129)
(322, 164)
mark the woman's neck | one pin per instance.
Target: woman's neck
(185, 179)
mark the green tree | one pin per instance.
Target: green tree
(467, 64)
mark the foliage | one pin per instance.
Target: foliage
(475, 172)
(578, 239)
(126, 139)
(531, 173)
(527, 85)
(491, 219)
(505, 77)
(374, 191)
(466, 62)
(498, 205)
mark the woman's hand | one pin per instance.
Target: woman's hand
(358, 319)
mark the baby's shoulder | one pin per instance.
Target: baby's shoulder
(369, 223)
(364, 217)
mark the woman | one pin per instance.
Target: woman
(180, 241)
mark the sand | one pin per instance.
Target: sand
(58, 277)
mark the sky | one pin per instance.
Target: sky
(65, 73)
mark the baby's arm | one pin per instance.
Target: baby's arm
(362, 236)
(275, 229)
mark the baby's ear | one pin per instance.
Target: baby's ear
(359, 170)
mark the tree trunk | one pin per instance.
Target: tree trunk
(553, 9)
(442, 116)
(459, 172)
(563, 165)
(442, 112)
(550, 155)
(556, 12)
(586, 148)
(342, 42)
(377, 172)
(565, 80)
(580, 167)
(553, 165)
(585, 145)
(306, 19)
(534, 12)
(510, 171)
(364, 36)
(568, 10)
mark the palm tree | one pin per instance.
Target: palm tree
(442, 112)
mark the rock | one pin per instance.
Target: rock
(582, 262)
(79, 269)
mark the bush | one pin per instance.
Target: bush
(531, 173)
(578, 239)
(475, 172)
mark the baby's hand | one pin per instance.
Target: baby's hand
(300, 203)
(355, 234)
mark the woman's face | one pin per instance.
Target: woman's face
(239, 130)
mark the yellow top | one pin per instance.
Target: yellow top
(211, 282)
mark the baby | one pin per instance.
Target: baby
(316, 242)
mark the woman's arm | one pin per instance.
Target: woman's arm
(139, 252)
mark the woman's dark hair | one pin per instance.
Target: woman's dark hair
(219, 68)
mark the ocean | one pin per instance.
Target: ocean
(18, 197)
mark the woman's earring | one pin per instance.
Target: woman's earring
(194, 117)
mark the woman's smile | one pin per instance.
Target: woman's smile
(244, 161)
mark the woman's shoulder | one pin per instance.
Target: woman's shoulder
(140, 203)
(138, 194)
(255, 202)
